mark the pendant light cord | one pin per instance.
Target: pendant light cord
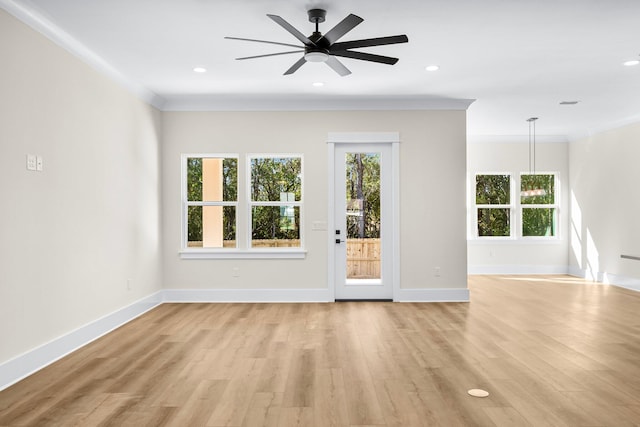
(529, 146)
(532, 122)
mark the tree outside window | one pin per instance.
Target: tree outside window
(538, 203)
(493, 204)
(275, 190)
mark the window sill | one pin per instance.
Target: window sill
(289, 253)
(514, 241)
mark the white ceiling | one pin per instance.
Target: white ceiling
(516, 58)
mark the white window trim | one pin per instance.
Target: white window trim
(515, 213)
(250, 204)
(185, 203)
(555, 205)
(511, 206)
(243, 250)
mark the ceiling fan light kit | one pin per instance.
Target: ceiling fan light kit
(326, 48)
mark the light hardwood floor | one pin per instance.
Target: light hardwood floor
(552, 351)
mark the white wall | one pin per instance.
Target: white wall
(71, 235)
(519, 256)
(432, 181)
(605, 205)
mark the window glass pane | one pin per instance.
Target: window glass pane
(537, 189)
(276, 179)
(275, 226)
(211, 227)
(493, 222)
(493, 189)
(363, 195)
(363, 215)
(538, 222)
(212, 179)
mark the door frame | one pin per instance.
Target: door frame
(392, 138)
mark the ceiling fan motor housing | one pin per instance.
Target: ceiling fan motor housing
(317, 15)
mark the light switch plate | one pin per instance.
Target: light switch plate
(319, 226)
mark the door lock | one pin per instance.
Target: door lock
(339, 241)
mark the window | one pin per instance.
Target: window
(538, 205)
(275, 200)
(499, 214)
(493, 205)
(210, 201)
(260, 220)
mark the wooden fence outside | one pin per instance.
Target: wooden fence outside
(363, 258)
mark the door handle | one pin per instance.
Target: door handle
(339, 241)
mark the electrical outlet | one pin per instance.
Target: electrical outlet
(31, 162)
(39, 163)
(235, 272)
(436, 271)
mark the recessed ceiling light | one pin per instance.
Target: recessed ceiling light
(318, 84)
(631, 63)
(200, 70)
(432, 68)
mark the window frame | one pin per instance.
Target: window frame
(555, 206)
(186, 203)
(511, 206)
(251, 203)
(516, 208)
(243, 250)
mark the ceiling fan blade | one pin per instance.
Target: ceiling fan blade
(337, 66)
(365, 56)
(263, 41)
(295, 66)
(343, 27)
(270, 54)
(378, 41)
(291, 29)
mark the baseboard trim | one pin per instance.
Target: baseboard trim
(32, 361)
(431, 295)
(518, 269)
(246, 295)
(607, 278)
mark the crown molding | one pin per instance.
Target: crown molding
(275, 102)
(38, 22)
(516, 139)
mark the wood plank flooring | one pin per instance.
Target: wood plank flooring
(552, 351)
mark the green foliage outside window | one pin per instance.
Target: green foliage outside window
(276, 180)
(493, 190)
(271, 177)
(494, 222)
(538, 190)
(363, 195)
(538, 222)
(271, 223)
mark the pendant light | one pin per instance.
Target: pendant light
(530, 192)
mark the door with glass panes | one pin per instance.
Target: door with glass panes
(362, 217)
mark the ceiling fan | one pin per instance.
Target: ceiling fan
(325, 48)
